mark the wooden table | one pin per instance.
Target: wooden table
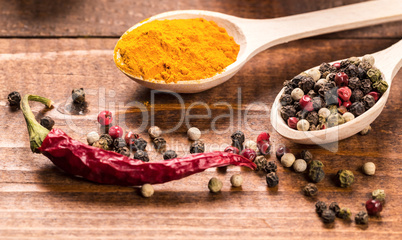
(50, 47)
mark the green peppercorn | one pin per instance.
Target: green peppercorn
(361, 218)
(335, 119)
(374, 74)
(381, 86)
(379, 195)
(108, 139)
(316, 172)
(101, 143)
(344, 213)
(215, 185)
(345, 178)
(316, 163)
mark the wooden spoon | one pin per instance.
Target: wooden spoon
(254, 36)
(389, 61)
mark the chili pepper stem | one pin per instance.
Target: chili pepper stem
(37, 133)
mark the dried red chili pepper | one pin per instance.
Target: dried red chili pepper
(108, 167)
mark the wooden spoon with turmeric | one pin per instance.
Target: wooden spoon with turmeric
(255, 36)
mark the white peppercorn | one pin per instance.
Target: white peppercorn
(297, 94)
(324, 113)
(348, 116)
(215, 185)
(369, 59)
(154, 132)
(300, 165)
(288, 159)
(147, 190)
(194, 133)
(251, 145)
(315, 74)
(366, 130)
(303, 125)
(369, 168)
(236, 180)
(92, 137)
(330, 76)
(379, 195)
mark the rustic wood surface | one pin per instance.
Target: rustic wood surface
(50, 47)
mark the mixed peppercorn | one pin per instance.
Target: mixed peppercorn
(332, 94)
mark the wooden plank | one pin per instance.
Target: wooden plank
(39, 201)
(32, 18)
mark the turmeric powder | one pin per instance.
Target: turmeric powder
(176, 50)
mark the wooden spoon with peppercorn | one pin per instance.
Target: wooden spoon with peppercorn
(388, 61)
(255, 36)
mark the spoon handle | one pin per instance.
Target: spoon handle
(294, 27)
(389, 61)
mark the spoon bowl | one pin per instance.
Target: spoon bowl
(255, 35)
(388, 61)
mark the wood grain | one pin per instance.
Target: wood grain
(38, 201)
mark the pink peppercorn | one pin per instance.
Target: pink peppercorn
(130, 136)
(341, 79)
(347, 104)
(292, 122)
(105, 118)
(264, 136)
(344, 93)
(375, 95)
(249, 154)
(232, 149)
(306, 104)
(337, 65)
(373, 207)
(116, 132)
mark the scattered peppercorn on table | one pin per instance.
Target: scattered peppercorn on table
(43, 51)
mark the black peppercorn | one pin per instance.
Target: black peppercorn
(296, 105)
(287, 90)
(306, 84)
(14, 99)
(47, 122)
(325, 88)
(108, 139)
(119, 143)
(141, 155)
(123, 151)
(328, 216)
(169, 154)
(334, 207)
(356, 96)
(287, 112)
(290, 84)
(312, 94)
(310, 190)
(272, 179)
(366, 86)
(312, 117)
(354, 83)
(297, 79)
(361, 218)
(320, 206)
(197, 147)
(238, 136)
(270, 167)
(138, 144)
(331, 96)
(318, 103)
(361, 73)
(357, 109)
(286, 99)
(326, 68)
(368, 101)
(351, 71)
(159, 144)
(345, 63)
(260, 162)
(78, 95)
(301, 114)
(306, 155)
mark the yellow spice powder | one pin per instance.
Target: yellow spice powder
(176, 50)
